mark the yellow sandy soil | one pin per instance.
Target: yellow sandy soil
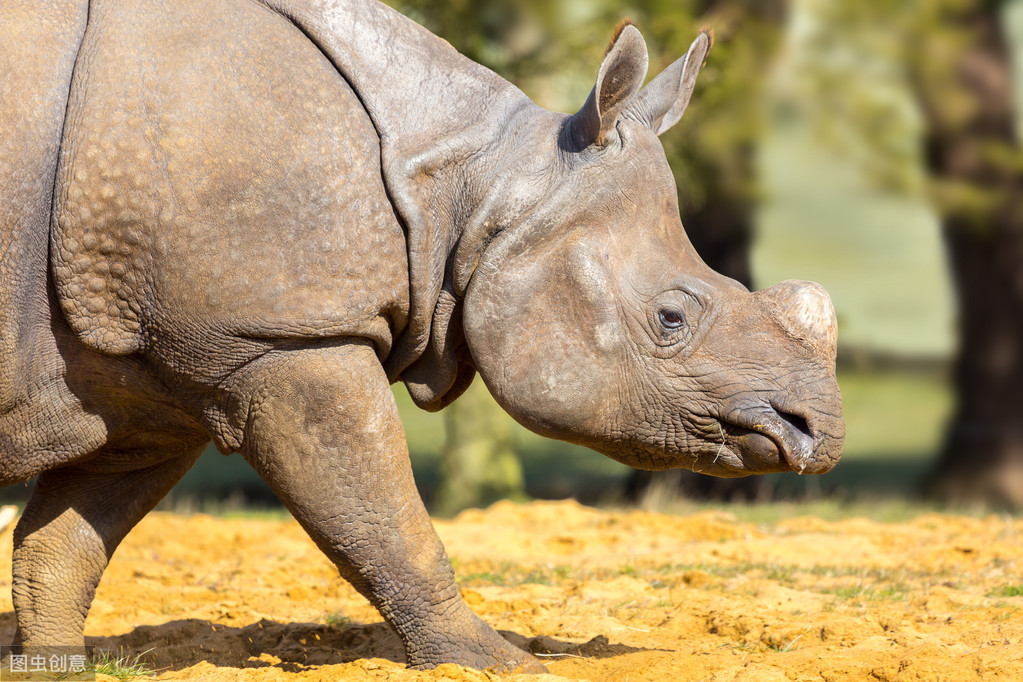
(606, 596)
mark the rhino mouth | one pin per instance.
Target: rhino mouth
(772, 440)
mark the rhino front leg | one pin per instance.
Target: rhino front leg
(72, 524)
(323, 431)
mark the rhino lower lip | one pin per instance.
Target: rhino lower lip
(759, 452)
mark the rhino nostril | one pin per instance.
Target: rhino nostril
(797, 422)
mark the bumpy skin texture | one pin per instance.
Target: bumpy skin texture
(240, 221)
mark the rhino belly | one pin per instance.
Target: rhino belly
(219, 182)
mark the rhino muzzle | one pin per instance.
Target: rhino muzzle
(798, 427)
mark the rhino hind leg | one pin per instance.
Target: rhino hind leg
(72, 524)
(323, 431)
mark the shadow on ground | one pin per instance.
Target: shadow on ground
(290, 647)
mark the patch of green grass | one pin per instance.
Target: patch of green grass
(872, 574)
(858, 593)
(121, 666)
(777, 648)
(338, 620)
(484, 578)
(868, 583)
(1007, 591)
(782, 574)
(507, 574)
(1006, 613)
(549, 576)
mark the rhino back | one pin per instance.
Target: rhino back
(220, 182)
(38, 44)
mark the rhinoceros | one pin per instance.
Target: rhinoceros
(243, 220)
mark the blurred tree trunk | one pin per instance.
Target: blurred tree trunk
(479, 465)
(976, 163)
(722, 231)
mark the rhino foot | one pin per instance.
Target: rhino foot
(475, 645)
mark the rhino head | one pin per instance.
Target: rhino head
(593, 320)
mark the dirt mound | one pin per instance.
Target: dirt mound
(598, 595)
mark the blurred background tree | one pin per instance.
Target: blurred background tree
(478, 462)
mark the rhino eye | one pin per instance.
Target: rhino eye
(670, 318)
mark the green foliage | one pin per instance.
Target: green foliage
(883, 80)
(851, 80)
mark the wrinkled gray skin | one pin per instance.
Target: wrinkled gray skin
(241, 221)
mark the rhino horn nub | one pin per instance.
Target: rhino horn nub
(806, 312)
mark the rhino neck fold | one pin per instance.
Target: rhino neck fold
(436, 113)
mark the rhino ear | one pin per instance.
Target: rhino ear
(663, 101)
(621, 74)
